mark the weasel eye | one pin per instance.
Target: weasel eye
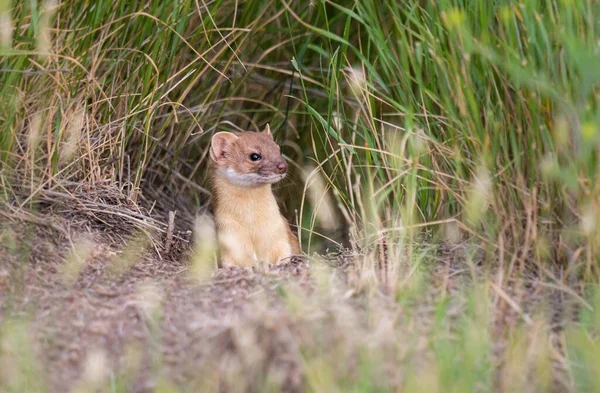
(255, 157)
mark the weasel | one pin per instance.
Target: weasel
(250, 227)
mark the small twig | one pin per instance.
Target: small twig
(512, 303)
(30, 72)
(170, 229)
(23, 215)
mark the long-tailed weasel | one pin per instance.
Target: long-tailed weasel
(250, 228)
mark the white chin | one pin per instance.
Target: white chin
(251, 179)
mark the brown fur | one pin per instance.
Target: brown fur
(250, 228)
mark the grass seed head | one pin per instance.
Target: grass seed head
(6, 30)
(73, 134)
(35, 132)
(357, 81)
(77, 259)
(203, 261)
(479, 195)
(320, 198)
(95, 370)
(44, 39)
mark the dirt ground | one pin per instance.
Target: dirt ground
(152, 324)
(152, 313)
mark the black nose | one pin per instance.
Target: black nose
(282, 167)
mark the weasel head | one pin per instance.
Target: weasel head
(248, 159)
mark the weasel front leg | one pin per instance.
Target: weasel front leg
(280, 251)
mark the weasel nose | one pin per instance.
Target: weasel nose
(282, 167)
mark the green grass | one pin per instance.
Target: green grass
(410, 121)
(484, 111)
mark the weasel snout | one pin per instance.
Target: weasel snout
(282, 167)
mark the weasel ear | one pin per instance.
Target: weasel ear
(220, 143)
(268, 130)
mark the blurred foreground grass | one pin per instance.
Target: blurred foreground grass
(468, 123)
(450, 327)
